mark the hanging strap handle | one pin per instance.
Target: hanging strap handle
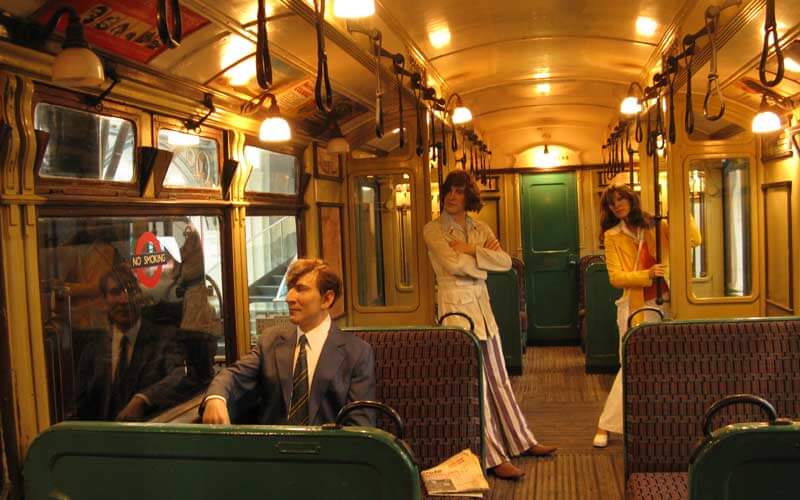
(323, 92)
(713, 87)
(263, 60)
(770, 31)
(688, 116)
(171, 38)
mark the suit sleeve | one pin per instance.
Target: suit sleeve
(454, 263)
(362, 388)
(242, 377)
(617, 275)
(491, 260)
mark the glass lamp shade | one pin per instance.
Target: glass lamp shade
(353, 9)
(765, 122)
(630, 106)
(338, 145)
(275, 129)
(78, 67)
(461, 115)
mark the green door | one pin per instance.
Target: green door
(550, 241)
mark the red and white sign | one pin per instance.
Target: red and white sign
(148, 260)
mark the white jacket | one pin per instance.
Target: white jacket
(461, 278)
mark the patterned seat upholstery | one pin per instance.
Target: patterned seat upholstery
(583, 265)
(674, 371)
(432, 377)
(658, 486)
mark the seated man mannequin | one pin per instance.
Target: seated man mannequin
(304, 374)
(135, 369)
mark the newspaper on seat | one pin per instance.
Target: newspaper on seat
(460, 475)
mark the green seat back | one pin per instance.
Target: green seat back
(87, 461)
(748, 462)
(602, 334)
(504, 297)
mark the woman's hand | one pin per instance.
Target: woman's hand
(657, 271)
(463, 247)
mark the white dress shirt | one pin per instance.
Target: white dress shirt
(316, 340)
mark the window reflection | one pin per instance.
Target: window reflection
(84, 145)
(719, 202)
(272, 172)
(132, 313)
(195, 160)
(271, 247)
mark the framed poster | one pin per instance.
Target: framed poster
(776, 146)
(327, 165)
(492, 184)
(331, 247)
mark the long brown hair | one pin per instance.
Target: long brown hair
(636, 218)
(472, 192)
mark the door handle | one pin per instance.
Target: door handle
(572, 259)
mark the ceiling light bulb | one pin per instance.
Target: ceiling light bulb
(630, 106)
(461, 115)
(791, 65)
(766, 122)
(541, 74)
(440, 37)
(543, 88)
(275, 129)
(78, 67)
(176, 138)
(646, 26)
(353, 9)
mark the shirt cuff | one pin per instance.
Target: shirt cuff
(214, 396)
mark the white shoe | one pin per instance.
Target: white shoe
(600, 439)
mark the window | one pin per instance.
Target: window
(697, 183)
(271, 247)
(272, 172)
(195, 160)
(132, 311)
(84, 145)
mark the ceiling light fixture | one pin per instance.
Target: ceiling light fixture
(76, 65)
(766, 120)
(274, 128)
(543, 88)
(632, 104)
(353, 9)
(646, 26)
(337, 143)
(460, 114)
(440, 37)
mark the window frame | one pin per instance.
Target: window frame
(207, 132)
(73, 186)
(277, 200)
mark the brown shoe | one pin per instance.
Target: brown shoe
(539, 450)
(507, 470)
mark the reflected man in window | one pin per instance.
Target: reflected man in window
(134, 369)
(305, 374)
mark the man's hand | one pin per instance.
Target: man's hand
(657, 270)
(134, 410)
(216, 412)
(492, 244)
(463, 247)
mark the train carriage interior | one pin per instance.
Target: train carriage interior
(165, 164)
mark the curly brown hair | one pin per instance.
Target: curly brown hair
(636, 218)
(472, 192)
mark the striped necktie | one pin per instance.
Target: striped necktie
(298, 410)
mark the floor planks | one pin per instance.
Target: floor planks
(562, 404)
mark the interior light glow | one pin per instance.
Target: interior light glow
(630, 106)
(791, 65)
(353, 9)
(176, 138)
(766, 120)
(646, 26)
(275, 129)
(543, 88)
(440, 37)
(236, 49)
(461, 115)
(542, 74)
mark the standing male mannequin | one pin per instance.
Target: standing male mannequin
(303, 374)
(462, 250)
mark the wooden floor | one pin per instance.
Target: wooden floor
(562, 404)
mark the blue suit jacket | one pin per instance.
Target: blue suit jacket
(345, 372)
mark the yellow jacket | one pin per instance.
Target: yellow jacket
(622, 254)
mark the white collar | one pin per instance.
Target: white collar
(448, 221)
(317, 335)
(132, 332)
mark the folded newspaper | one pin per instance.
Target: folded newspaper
(459, 475)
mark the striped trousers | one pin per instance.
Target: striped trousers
(506, 432)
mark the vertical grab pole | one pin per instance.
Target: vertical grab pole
(657, 201)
